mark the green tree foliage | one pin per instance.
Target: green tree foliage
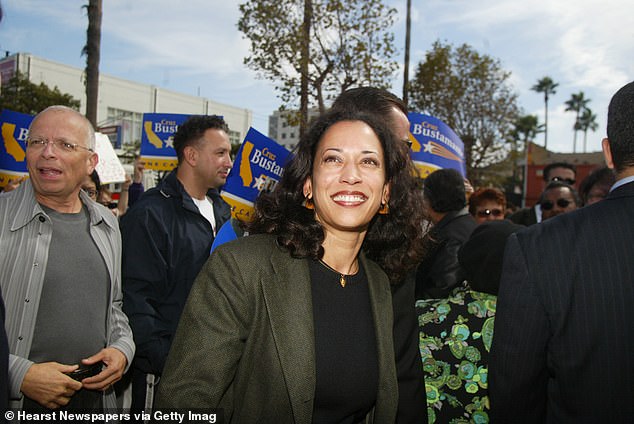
(587, 121)
(469, 91)
(21, 95)
(577, 103)
(350, 45)
(526, 129)
(547, 86)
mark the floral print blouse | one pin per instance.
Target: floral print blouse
(455, 340)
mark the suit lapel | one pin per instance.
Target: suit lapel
(288, 301)
(381, 300)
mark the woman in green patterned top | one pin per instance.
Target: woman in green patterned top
(456, 332)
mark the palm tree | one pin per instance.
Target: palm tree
(92, 50)
(526, 129)
(577, 103)
(587, 121)
(547, 86)
(408, 28)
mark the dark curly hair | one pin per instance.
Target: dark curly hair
(392, 240)
(193, 129)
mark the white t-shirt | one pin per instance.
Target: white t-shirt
(206, 209)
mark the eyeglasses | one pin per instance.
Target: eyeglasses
(487, 212)
(569, 181)
(91, 192)
(61, 145)
(548, 205)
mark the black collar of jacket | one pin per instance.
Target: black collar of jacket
(170, 186)
(450, 216)
(625, 190)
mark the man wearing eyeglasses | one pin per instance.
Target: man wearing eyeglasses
(564, 334)
(60, 275)
(558, 171)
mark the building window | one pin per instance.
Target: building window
(234, 137)
(130, 123)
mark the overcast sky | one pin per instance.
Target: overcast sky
(194, 47)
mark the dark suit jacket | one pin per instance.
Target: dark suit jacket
(245, 341)
(563, 344)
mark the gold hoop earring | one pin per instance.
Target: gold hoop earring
(308, 203)
(385, 209)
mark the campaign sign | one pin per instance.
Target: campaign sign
(109, 167)
(434, 145)
(157, 140)
(15, 129)
(257, 168)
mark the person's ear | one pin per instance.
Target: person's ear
(607, 153)
(308, 188)
(93, 160)
(385, 197)
(190, 155)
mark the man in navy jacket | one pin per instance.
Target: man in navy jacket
(167, 237)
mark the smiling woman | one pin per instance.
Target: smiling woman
(301, 328)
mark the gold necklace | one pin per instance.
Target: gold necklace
(342, 277)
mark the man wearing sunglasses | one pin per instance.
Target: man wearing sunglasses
(564, 334)
(558, 198)
(557, 171)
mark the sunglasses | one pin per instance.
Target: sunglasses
(487, 212)
(110, 205)
(548, 205)
(568, 181)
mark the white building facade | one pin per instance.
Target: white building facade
(284, 133)
(122, 102)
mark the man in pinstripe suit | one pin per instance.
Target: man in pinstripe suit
(563, 345)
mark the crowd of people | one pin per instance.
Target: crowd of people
(358, 293)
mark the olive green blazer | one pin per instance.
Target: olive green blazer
(245, 341)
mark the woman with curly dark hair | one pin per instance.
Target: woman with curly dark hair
(294, 322)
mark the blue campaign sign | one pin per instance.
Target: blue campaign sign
(435, 145)
(257, 168)
(157, 140)
(15, 129)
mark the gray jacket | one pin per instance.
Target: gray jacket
(25, 237)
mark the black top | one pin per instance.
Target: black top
(346, 358)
